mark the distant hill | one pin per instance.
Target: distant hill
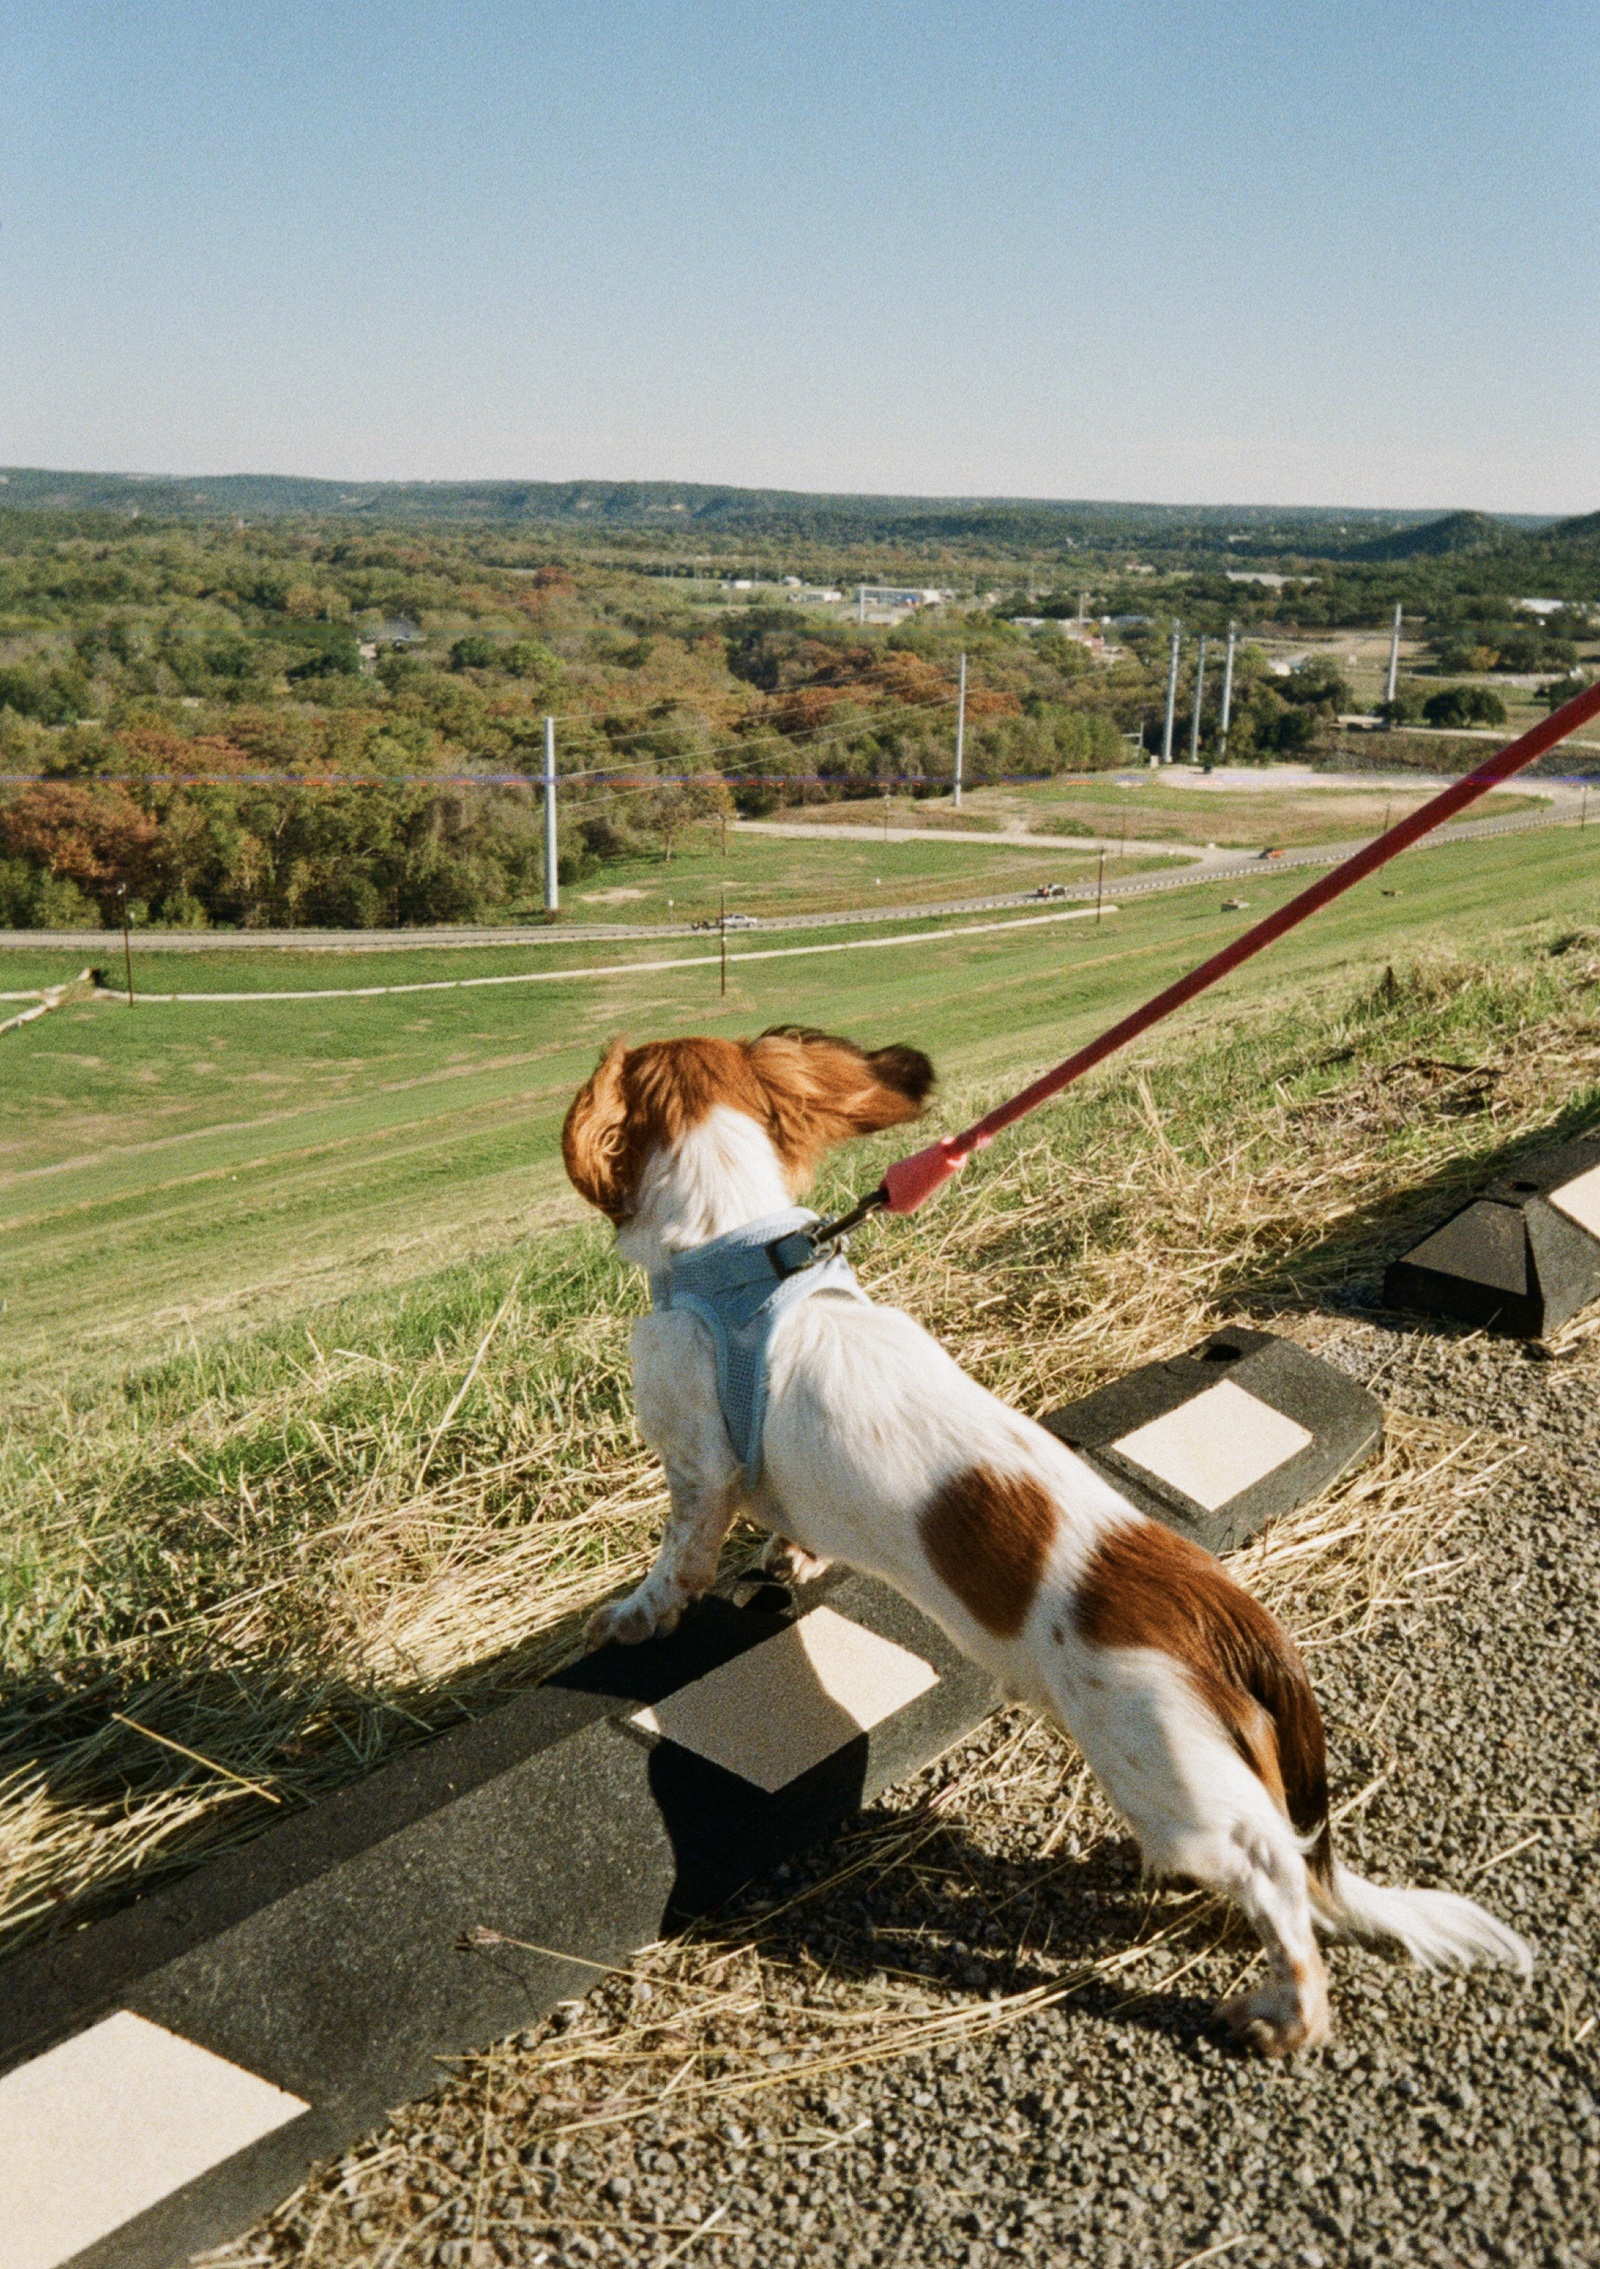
(1584, 530)
(1456, 534)
(717, 516)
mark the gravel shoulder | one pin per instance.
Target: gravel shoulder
(1453, 2120)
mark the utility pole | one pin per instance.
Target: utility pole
(1227, 693)
(1199, 696)
(552, 894)
(127, 946)
(1394, 657)
(961, 728)
(1172, 694)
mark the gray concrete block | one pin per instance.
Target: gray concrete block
(1231, 1434)
(1523, 1257)
(333, 1962)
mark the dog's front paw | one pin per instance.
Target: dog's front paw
(642, 1615)
(788, 1563)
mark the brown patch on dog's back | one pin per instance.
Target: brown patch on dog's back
(988, 1536)
(1146, 1586)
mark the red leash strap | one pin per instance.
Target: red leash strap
(912, 1179)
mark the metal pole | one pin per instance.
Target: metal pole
(1172, 695)
(1227, 693)
(1394, 656)
(722, 928)
(961, 728)
(552, 894)
(1199, 696)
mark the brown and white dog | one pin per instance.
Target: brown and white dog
(1191, 1704)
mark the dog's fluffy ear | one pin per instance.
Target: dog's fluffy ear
(822, 1090)
(596, 1139)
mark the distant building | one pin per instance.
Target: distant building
(886, 600)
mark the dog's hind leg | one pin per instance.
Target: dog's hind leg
(1200, 1812)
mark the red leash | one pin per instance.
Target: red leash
(912, 1179)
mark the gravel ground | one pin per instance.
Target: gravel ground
(1452, 2121)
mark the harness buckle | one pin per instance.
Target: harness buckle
(790, 1254)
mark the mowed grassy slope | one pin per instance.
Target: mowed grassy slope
(773, 876)
(192, 1161)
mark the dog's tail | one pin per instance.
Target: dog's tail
(1440, 1930)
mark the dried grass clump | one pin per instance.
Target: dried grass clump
(273, 1561)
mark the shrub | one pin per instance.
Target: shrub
(1461, 705)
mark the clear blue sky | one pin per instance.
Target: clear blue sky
(1334, 252)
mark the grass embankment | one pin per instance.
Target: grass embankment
(289, 1549)
(775, 876)
(181, 1164)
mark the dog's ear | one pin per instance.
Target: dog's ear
(597, 1145)
(821, 1090)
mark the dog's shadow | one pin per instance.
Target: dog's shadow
(953, 1925)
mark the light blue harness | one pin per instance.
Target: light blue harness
(739, 1285)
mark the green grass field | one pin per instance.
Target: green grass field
(771, 876)
(190, 1161)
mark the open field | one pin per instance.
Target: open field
(1160, 807)
(770, 877)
